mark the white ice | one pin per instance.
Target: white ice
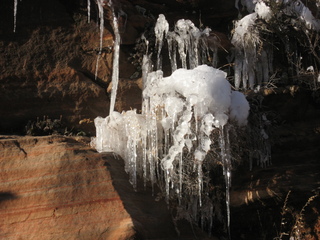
(116, 55)
(15, 8)
(253, 56)
(186, 39)
(88, 10)
(161, 29)
(263, 11)
(239, 109)
(303, 14)
(179, 114)
(100, 4)
(246, 40)
(202, 93)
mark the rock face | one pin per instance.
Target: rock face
(48, 65)
(58, 188)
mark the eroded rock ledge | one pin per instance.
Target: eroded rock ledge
(56, 187)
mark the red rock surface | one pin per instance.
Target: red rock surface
(58, 188)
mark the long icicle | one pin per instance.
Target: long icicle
(226, 162)
(89, 10)
(116, 52)
(100, 4)
(15, 15)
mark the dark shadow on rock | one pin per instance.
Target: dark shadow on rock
(5, 196)
(152, 218)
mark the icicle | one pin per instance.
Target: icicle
(15, 15)
(186, 38)
(161, 29)
(200, 183)
(239, 61)
(167, 180)
(251, 77)
(116, 53)
(182, 41)
(210, 219)
(146, 68)
(193, 46)
(144, 159)
(265, 67)
(100, 4)
(88, 9)
(132, 134)
(101, 18)
(236, 4)
(245, 39)
(172, 50)
(180, 177)
(226, 163)
(154, 151)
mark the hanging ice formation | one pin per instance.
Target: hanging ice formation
(253, 56)
(100, 4)
(161, 30)
(116, 53)
(15, 8)
(190, 43)
(88, 9)
(303, 14)
(116, 47)
(169, 142)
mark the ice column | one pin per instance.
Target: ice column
(172, 51)
(161, 29)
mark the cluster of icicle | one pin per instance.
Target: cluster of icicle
(172, 137)
(253, 57)
(189, 41)
(253, 61)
